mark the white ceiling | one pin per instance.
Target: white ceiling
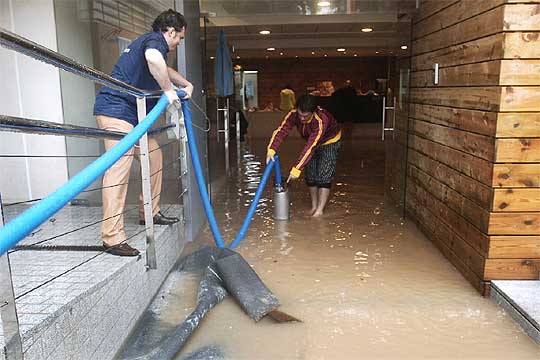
(296, 34)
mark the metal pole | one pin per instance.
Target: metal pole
(383, 115)
(8, 311)
(238, 140)
(394, 120)
(151, 261)
(226, 130)
(217, 118)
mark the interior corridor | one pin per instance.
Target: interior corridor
(365, 282)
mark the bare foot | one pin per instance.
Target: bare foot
(312, 211)
(317, 214)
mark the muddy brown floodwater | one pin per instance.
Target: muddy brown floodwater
(366, 283)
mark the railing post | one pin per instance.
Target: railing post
(8, 310)
(151, 261)
(184, 183)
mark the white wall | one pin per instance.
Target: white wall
(74, 39)
(30, 89)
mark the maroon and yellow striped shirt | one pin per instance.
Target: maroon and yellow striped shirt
(320, 129)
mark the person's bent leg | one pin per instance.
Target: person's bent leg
(115, 186)
(310, 177)
(314, 194)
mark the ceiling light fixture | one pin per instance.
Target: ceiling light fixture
(264, 32)
(281, 53)
(323, 3)
(355, 55)
(376, 52)
(271, 49)
(212, 58)
(341, 50)
(404, 47)
(313, 53)
(367, 29)
(325, 55)
(238, 57)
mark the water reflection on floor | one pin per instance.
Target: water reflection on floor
(366, 283)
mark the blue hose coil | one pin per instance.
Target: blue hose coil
(18, 228)
(253, 206)
(201, 184)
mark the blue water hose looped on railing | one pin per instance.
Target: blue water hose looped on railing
(18, 228)
(201, 183)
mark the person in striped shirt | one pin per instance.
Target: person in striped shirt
(319, 156)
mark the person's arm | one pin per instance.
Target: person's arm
(279, 135)
(158, 69)
(309, 148)
(181, 81)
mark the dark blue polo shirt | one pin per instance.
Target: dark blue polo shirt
(132, 69)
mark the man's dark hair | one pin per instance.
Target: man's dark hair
(168, 19)
(306, 103)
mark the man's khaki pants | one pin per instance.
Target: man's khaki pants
(115, 182)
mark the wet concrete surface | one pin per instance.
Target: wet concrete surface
(366, 283)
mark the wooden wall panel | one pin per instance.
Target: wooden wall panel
(520, 98)
(470, 143)
(518, 124)
(473, 213)
(514, 247)
(431, 7)
(480, 50)
(470, 188)
(517, 150)
(483, 74)
(521, 45)
(479, 122)
(509, 269)
(516, 175)
(474, 143)
(465, 230)
(456, 13)
(485, 24)
(446, 233)
(474, 98)
(513, 200)
(526, 223)
(471, 166)
(522, 17)
(519, 72)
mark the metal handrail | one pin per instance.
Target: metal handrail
(41, 53)
(31, 126)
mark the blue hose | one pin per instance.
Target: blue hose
(253, 206)
(277, 169)
(18, 228)
(201, 184)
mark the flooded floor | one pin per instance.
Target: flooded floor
(366, 283)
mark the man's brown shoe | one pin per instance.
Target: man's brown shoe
(121, 250)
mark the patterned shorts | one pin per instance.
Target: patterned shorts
(320, 170)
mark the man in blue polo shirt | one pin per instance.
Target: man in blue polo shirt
(143, 65)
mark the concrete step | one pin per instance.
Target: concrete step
(83, 304)
(521, 299)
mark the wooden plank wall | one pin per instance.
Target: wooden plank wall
(473, 182)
